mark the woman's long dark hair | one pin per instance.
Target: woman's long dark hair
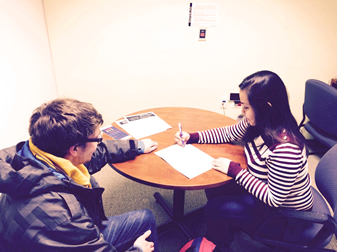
(274, 121)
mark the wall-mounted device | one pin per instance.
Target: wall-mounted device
(202, 35)
(235, 97)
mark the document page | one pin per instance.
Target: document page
(114, 132)
(190, 161)
(143, 125)
(203, 15)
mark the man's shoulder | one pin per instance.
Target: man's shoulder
(10, 151)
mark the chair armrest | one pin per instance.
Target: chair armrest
(305, 215)
(292, 224)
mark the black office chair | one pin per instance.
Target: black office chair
(320, 115)
(291, 230)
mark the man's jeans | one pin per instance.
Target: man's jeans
(121, 231)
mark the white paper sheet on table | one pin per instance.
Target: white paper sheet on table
(190, 161)
(143, 125)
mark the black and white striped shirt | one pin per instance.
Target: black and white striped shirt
(276, 175)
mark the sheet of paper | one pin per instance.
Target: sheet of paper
(203, 15)
(190, 161)
(143, 125)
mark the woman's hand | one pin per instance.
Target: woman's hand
(221, 164)
(185, 137)
(149, 145)
(145, 245)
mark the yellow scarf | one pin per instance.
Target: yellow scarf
(78, 173)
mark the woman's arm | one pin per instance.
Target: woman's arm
(288, 184)
(221, 135)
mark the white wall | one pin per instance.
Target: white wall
(26, 71)
(128, 55)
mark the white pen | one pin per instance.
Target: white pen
(181, 134)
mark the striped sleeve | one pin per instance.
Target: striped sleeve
(288, 182)
(224, 134)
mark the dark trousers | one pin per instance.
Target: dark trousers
(229, 207)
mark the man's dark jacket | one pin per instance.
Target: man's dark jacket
(41, 212)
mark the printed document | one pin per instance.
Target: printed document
(203, 15)
(114, 132)
(188, 160)
(143, 125)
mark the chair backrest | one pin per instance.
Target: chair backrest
(326, 178)
(320, 105)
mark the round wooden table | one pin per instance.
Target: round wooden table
(149, 169)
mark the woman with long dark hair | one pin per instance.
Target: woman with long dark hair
(277, 172)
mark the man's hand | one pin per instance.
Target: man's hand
(145, 245)
(149, 145)
(221, 164)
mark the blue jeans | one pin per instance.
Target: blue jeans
(122, 230)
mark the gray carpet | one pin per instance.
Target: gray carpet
(123, 195)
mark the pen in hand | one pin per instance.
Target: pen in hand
(181, 134)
